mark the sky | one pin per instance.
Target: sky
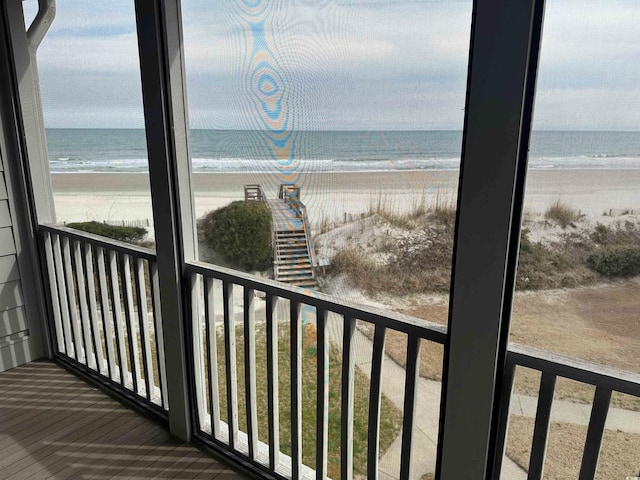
(339, 65)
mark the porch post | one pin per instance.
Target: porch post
(28, 181)
(161, 63)
(25, 47)
(500, 88)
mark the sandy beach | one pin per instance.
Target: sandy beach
(331, 196)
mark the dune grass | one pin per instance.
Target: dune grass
(439, 208)
(561, 214)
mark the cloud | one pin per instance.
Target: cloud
(587, 109)
(346, 64)
(589, 69)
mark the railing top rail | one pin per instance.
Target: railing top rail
(98, 241)
(575, 369)
(289, 189)
(395, 321)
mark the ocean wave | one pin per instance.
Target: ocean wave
(253, 165)
(616, 155)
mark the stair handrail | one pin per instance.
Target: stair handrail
(307, 236)
(259, 193)
(290, 194)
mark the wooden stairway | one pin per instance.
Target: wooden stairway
(292, 262)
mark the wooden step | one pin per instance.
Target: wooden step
(287, 267)
(303, 270)
(293, 255)
(292, 241)
(291, 238)
(294, 262)
(282, 260)
(296, 274)
(306, 284)
(299, 281)
(292, 246)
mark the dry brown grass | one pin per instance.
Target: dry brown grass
(441, 208)
(562, 214)
(598, 324)
(418, 262)
(618, 458)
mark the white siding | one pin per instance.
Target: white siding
(9, 269)
(14, 327)
(7, 244)
(5, 216)
(3, 188)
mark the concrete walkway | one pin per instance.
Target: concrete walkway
(428, 411)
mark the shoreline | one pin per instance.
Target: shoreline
(126, 196)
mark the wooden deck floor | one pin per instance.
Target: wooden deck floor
(53, 425)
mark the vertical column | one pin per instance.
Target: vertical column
(25, 45)
(27, 173)
(162, 71)
(500, 84)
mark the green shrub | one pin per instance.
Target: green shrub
(124, 234)
(241, 233)
(626, 234)
(616, 262)
(560, 264)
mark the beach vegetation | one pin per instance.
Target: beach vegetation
(561, 214)
(414, 255)
(241, 233)
(616, 262)
(384, 207)
(617, 250)
(627, 233)
(558, 264)
(443, 209)
(133, 235)
(419, 261)
(440, 208)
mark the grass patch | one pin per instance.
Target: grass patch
(561, 214)
(618, 457)
(390, 419)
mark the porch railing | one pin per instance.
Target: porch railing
(105, 302)
(606, 380)
(224, 304)
(106, 318)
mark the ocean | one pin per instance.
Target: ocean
(119, 150)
